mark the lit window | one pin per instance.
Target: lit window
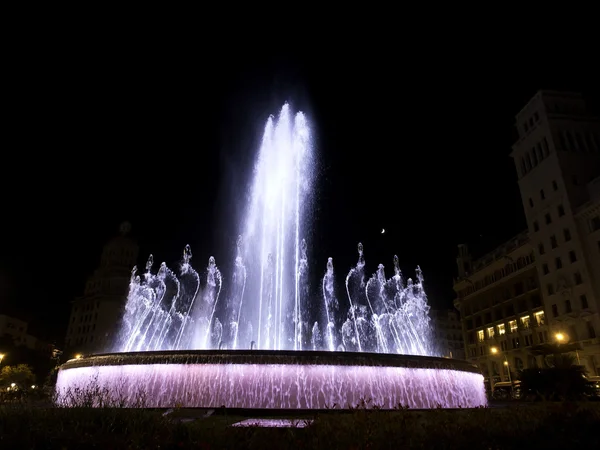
(490, 332)
(539, 318)
(513, 325)
(480, 336)
(525, 321)
(501, 329)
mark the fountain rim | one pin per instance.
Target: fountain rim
(267, 357)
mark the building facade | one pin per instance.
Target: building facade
(557, 157)
(95, 316)
(499, 300)
(448, 334)
(16, 329)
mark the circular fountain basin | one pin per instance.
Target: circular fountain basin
(264, 379)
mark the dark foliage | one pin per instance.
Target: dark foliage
(534, 425)
(564, 381)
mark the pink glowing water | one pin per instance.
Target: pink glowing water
(279, 386)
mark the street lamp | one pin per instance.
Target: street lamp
(1, 357)
(560, 338)
(494, 351)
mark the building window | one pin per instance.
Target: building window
(528, 340)
(554, 185)
(545, 269)
(553, 242)
(567, 234)
(503, 346)
(584, 301)
(590, 330)
(568, 308)
(501, 329)
(548, 219)
(539, 318)
(561, 210)
(542, 195)
(541, 337)
(577, 277)
(530, 202)
(558, 263)
(550, 289)
(536, 226)
(545, 146)
(541, 249)
(480, 335)
(525, 321)
(515, 342)
(572, 256)
(519, 363)
(512, 325)
(490, 332)
(554, 310)
(573, 333)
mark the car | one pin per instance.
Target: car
(504, 390)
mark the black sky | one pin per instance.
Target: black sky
(415, 141)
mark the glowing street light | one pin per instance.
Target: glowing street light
(78, 356)
(494, 351)
(1, 357)
(559, 337)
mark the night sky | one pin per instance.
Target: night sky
(416, 142)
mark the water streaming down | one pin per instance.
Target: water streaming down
(266, 302)
(239, 339)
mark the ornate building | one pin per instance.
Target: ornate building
(553, 268)
(95, 315)
(499, 300)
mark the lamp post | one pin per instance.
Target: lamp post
(494, 351)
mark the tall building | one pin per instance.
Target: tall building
(448, 333)
(558, 164)
(499, 300)
(557, 157)
(95, 315)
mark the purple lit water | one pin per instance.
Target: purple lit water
(279, 386)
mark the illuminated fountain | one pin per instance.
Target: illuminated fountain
(251, 341)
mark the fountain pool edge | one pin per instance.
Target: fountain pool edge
(257, 379)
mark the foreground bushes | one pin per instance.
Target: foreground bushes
(557, 425)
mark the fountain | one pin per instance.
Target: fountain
(252, 341)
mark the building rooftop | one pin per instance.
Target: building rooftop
(502, 250)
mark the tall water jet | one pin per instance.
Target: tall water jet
(330, 304)
(276, 222)
(190, 285)
(351, 329)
